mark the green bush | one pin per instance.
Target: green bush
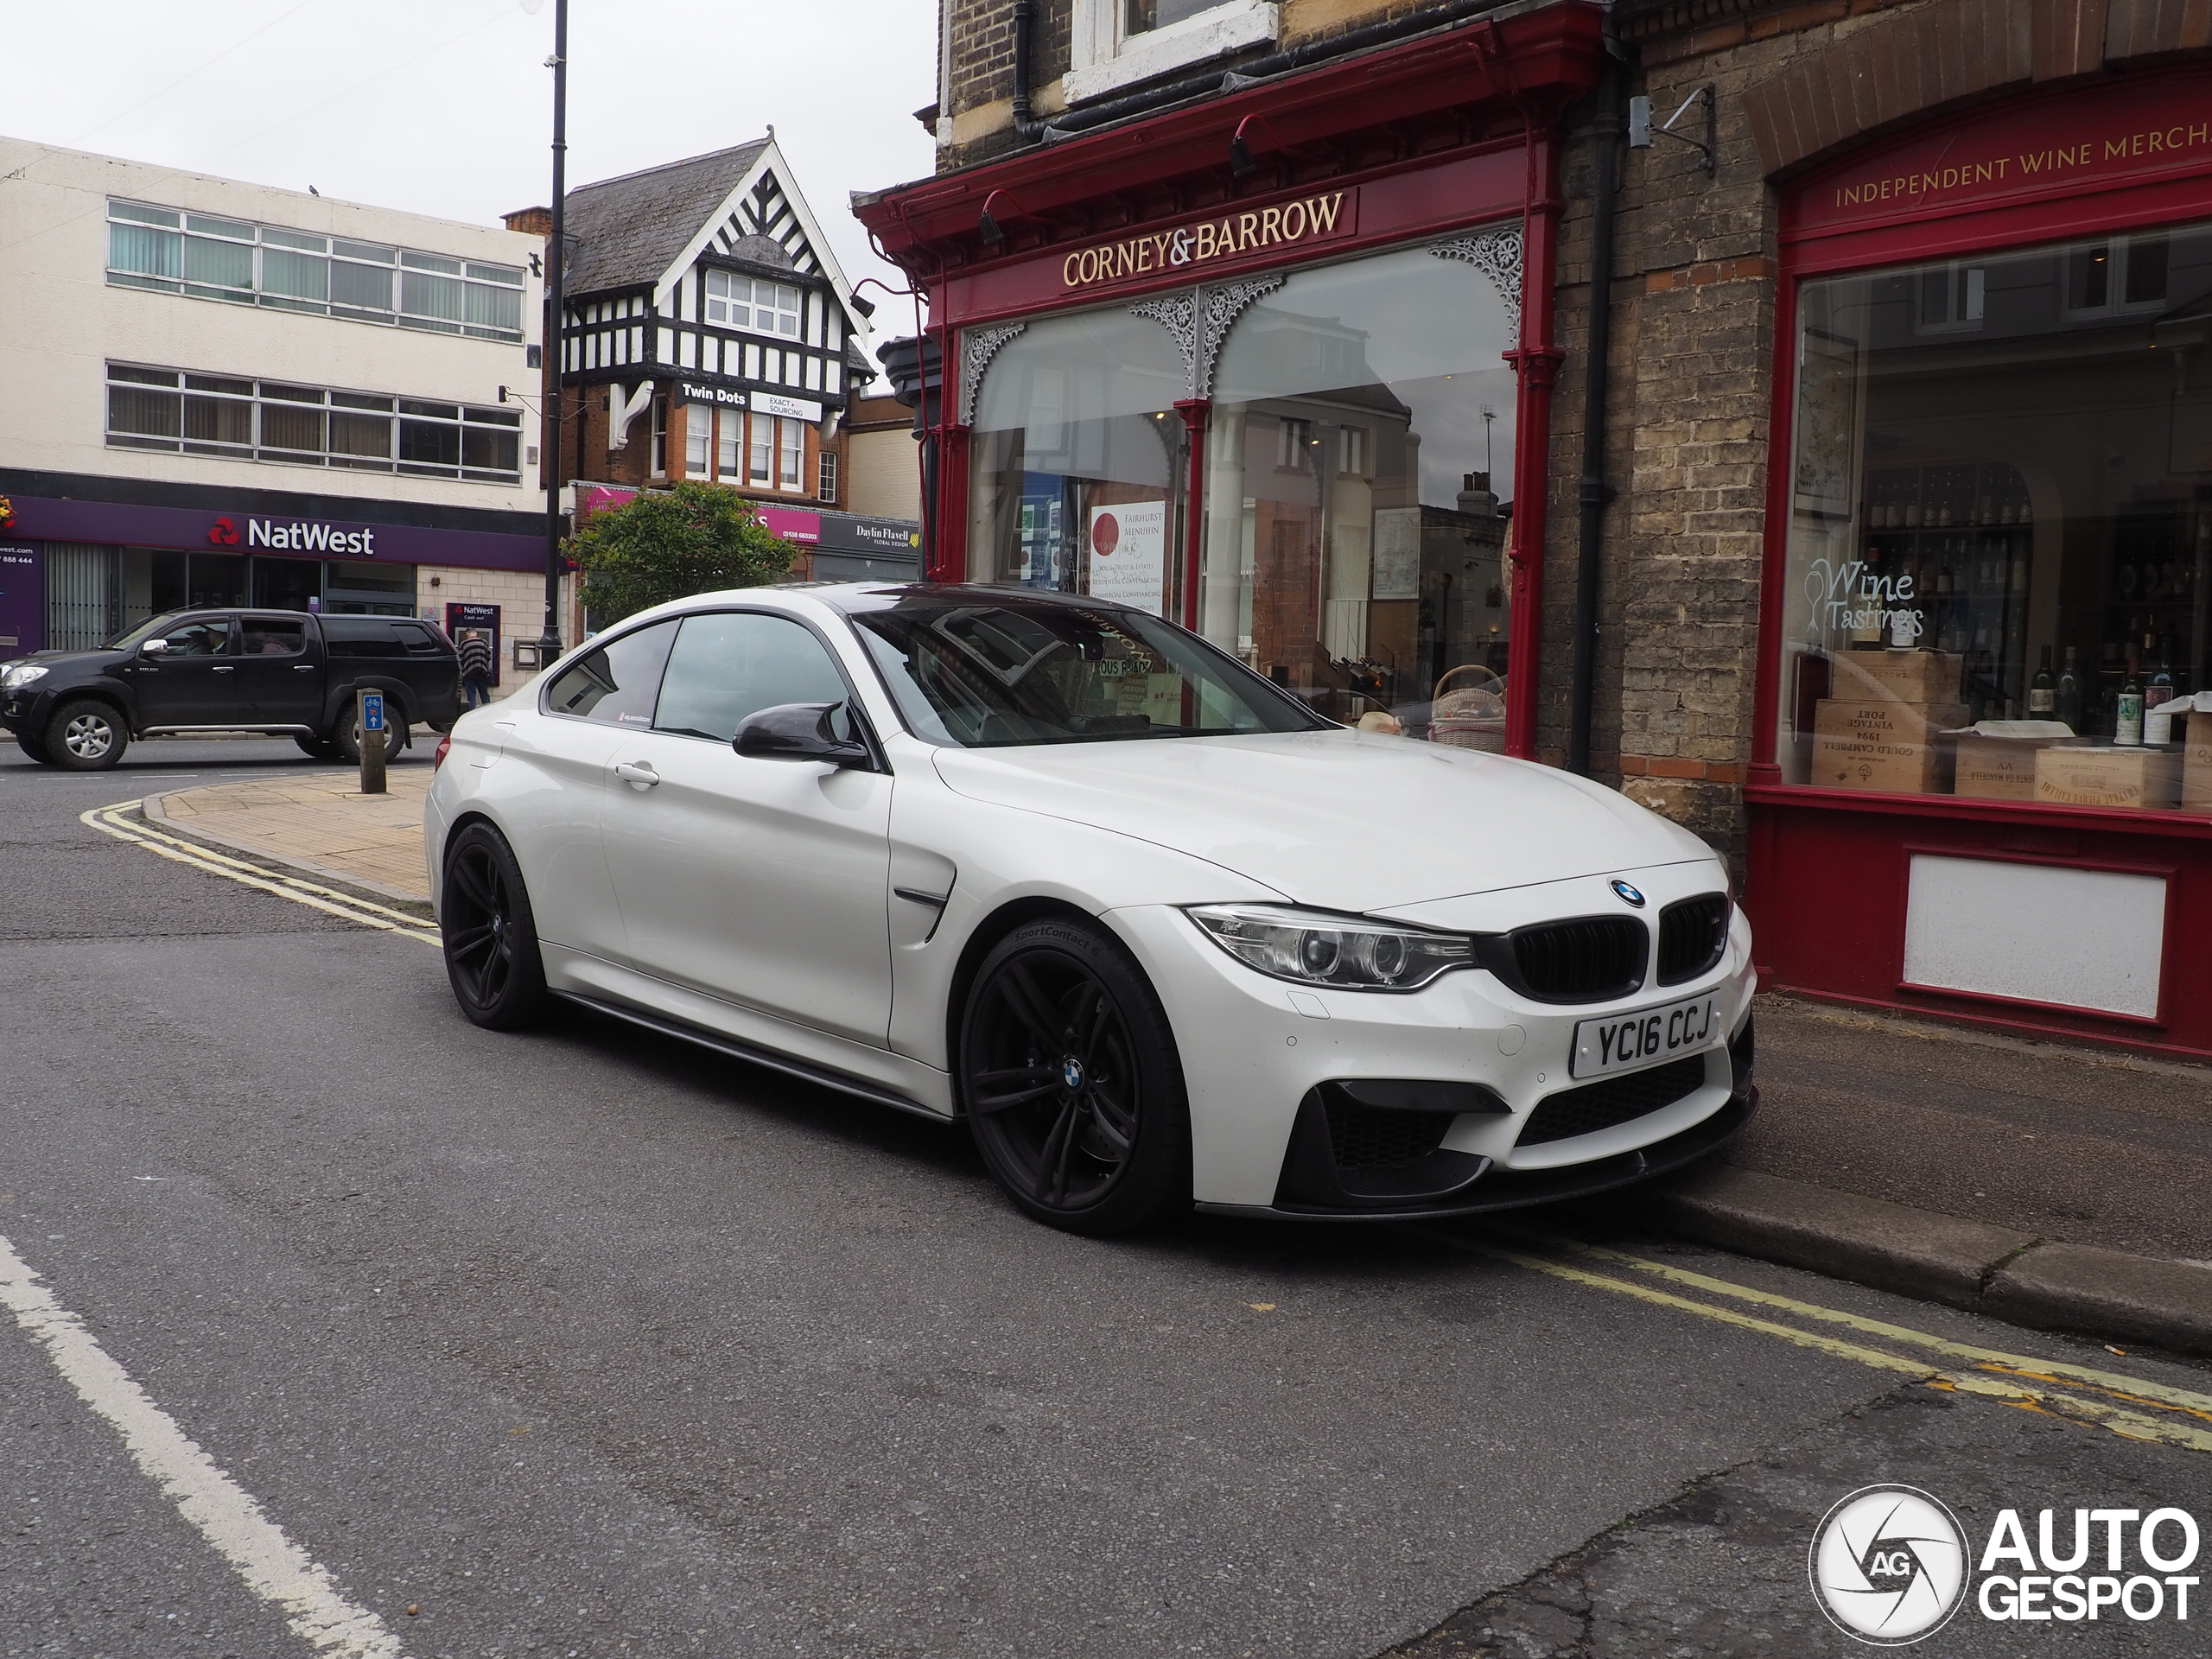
(664, 544)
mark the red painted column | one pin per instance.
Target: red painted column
(951, 562)
(1536, 360)
(1767, 696)
(1194, 412)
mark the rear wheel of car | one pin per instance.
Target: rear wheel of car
(344, 742)
(86, 736)
(319, 747)
(33, 748)
(491, 937)
(1071, 1081)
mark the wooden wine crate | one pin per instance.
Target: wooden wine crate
(2109, 776)
(1930, 677)
(1896, 747)
(2000, 768)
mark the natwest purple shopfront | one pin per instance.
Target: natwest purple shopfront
(75, 570)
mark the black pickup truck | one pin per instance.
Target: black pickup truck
(189, 673)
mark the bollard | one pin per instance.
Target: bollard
(370, 707)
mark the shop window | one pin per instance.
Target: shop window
(1114, 43)
(1076, 455)
(1999, 548)
(1354, 550)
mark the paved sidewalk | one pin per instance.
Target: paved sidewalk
(320, 824)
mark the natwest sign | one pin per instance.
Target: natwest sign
(296, 535)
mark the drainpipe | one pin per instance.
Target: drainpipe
(1595, 492)
(1026, 130)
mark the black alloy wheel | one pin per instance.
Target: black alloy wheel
(87, 735)
(491, 937)
(1071, 1082)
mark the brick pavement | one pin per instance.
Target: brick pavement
(320, 822)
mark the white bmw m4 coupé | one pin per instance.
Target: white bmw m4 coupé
(1157, 931)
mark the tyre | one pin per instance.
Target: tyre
(87, 735)
(491, 937)
(318, 747)
(1071, 1086)
(344, 741)
(37, 750)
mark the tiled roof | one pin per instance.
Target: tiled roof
(630, 230)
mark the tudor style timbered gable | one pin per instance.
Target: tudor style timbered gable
(710, 276)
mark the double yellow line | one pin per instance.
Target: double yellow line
(2127, 1405)
(110, 821)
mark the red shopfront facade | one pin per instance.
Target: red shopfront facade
(1277, 366)
(1988, 573)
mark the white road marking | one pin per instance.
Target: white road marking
(274, 1568)
(108, 821)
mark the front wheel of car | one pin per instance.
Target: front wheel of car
(33, 748)
(87, 736)
(491, 937)
(1071, 1081)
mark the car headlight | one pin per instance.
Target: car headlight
(1312, 947)
(21, 676)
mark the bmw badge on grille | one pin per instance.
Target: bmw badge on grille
(1629, 894)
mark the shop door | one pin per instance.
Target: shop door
(760, 882)
(195, 682)
(279, 671)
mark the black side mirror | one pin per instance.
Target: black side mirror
(800, 731)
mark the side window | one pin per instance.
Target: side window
(268, 637)
(361, 636)
(418, 640)
(729, 665)
(209, 636)
(616, 681)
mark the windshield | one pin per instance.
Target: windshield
(132, 639)
(974, 672)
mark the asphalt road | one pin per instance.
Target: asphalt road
(584, 1343)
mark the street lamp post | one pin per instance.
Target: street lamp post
(549, 640)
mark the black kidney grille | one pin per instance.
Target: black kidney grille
(1363, 1138)
(1587, 960)
(1692, 935)
(1610, 1101)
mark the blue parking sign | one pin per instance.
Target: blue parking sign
(372, 711)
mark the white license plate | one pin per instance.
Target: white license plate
(1627, 1040)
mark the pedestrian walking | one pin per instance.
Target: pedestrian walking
(476, 668)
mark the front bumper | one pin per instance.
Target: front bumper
(1262, 1058)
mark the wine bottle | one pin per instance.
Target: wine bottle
(2043, 691)
(2161, 689)
(2069, 694)
(2127, 720)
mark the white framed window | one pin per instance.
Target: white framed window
(761, 461)
(828, 490)
(791, 443)
(660, 435)
(698, 438)
(728, 460)
(753, 302)
(2128, 273)
(1952, 298)
(1116, 43)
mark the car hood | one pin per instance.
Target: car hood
(1350, 821)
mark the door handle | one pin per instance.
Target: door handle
(636, 774)
(223, 668)
(302, 668)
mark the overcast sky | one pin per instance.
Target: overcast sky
(444, 106)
